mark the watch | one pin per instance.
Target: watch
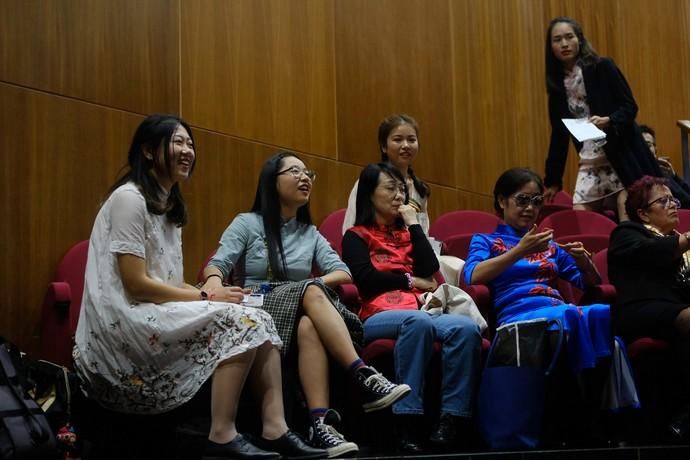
(203, 295)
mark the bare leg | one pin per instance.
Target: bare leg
(329, 325)
(228, 380)
(267, 383)
(313, 364)
(582, 207)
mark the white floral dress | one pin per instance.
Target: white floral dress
(145, 357)
(596, 178)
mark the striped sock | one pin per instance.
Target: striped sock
(318, 412)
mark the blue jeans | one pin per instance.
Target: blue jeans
(415, 332)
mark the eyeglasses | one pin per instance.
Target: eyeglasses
(395, 188)
(296, 172)
(523, 201)
(665, 202)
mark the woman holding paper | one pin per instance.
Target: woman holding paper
(583, 85)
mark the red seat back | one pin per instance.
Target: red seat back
(62, 304)
(458, 245)
(332, 229)
(572, 222)
(683, 220)
(459, 222)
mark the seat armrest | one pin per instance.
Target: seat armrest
(349, 296)
(59, 295)
(599, 293)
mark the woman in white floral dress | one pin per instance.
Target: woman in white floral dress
(146, 342)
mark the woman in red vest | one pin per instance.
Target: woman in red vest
(392, 264)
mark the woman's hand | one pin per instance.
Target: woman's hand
(232, 294)
(600, 122)
(534, 241)
(424, 284)
(408, 214)
(550, 193)
(576, 249)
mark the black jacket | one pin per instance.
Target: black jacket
(643, 266)
(608, 95)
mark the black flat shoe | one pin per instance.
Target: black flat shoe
(239, 448)
(680, 426)
(291, 446)
(445, 433)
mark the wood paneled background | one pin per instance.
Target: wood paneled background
(314, 76)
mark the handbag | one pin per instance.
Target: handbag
(24, 429)
(511, 394)
(452, 300)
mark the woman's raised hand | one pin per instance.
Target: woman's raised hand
(576, 249)
(534, 241)
(408, 214)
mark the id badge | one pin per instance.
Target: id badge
(253, 300)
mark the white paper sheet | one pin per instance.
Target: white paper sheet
(583, 130)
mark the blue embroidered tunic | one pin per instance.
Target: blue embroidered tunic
(527, 290)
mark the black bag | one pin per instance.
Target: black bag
(24, 429)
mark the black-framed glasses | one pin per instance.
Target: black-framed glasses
(665, 202)
(523, 201)
(296, 172)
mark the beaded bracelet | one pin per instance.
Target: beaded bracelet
(410, 281)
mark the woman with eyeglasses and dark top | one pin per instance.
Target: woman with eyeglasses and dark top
(649, 264)
(272, 249)
(392, 264)
(581, 84)
(521, 266)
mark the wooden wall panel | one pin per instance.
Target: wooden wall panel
(500, 101)
(121, 53)
(60, 156)
(395, 56)
(261, 70)
(224, 184)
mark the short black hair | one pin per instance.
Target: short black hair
(513, 180)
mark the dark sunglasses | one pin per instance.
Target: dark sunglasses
(524, 201)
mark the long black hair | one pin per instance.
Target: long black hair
(554, 68)
(155, 133)
(368, 181)
(267, 205)
(389, 124)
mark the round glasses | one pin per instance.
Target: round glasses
(666, 202)
(296, 172)
(523, 201)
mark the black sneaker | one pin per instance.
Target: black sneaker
(445, 433)
(377, 390)
(322, 435)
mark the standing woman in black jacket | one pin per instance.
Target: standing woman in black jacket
(581, 84)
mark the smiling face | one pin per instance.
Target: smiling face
(402, 146)
(661, 211)
(181, 157)
(521, 209)
(564, 43)
(293, 183)
(387, 198)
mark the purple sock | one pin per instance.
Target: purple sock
(318, 412)
(356, 364)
